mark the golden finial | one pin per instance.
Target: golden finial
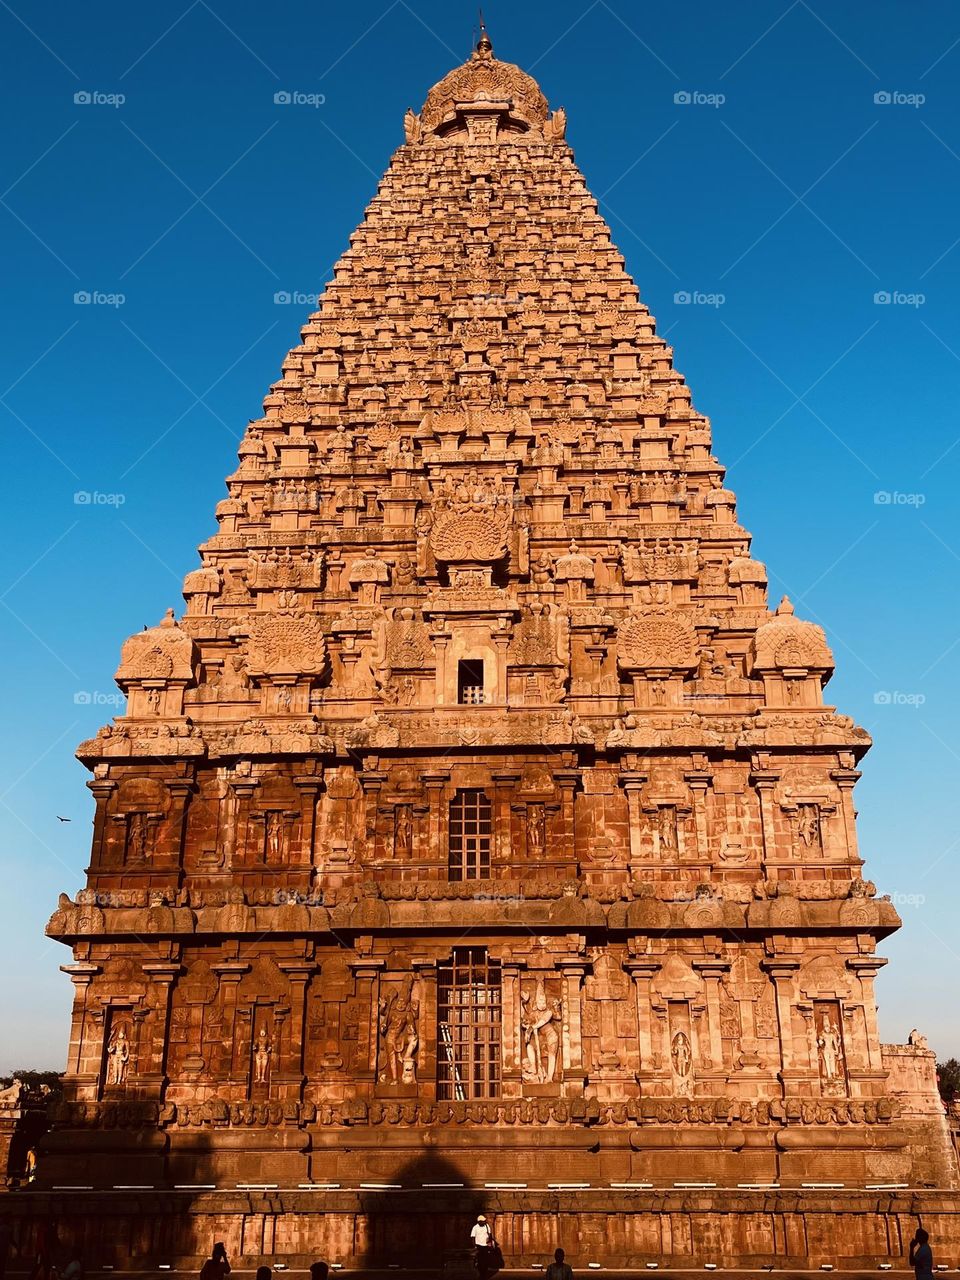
(484, 44)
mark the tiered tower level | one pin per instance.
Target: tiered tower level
(478, 814)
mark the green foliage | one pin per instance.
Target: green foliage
(33, 1079)
(948, 1079)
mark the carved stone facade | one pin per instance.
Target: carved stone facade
(478, 803)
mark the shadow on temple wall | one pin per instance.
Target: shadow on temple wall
(426, 1226)
(132, 1223)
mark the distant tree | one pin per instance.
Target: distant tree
(32, 1079)
(948, 1079)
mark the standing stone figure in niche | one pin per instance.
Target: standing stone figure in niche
(261, 1058)
(137, 838)
(667, 826)
(274, 836)
(399, 1036)
(540, 1026)
(118, 1057)
(830, 1046)
(403, 832)
(681, 1054)
(535, 828)
(808, 825)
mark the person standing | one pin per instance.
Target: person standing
(558, 1269)
(216, 1266)
(483, 1242)
(921, 1255)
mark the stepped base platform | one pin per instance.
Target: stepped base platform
(367, 1230)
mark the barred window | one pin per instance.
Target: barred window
(471, 825)
(470, 682)
(468, 1010)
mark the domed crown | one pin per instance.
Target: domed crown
(510, 101)
(786, 642)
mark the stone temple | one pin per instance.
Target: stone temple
(480, 822)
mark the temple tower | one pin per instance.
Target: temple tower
(478, 820)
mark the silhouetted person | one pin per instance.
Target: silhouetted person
(73, 1270)
(921, 1255)
(46, 1238)
(264, 1273)
(319, 1271)
(8, 1242)
(558, 1269)
(216, 1266)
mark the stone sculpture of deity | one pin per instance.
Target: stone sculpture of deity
(399, 1036)
(540, 1022)
(118, 1057)
(261, 1058)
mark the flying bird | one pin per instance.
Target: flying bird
(59, 819)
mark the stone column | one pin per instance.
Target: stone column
(227, 824)
(225, 1063)
(632, 782)
(425, 969)
(371, 780)
(309, 788)
(84, 1082)
(366, 972)
(573, 969)
(783, 971)
(712, 971)
(102, 789)
(764, 782)
(290, 1069)
(504, 786)
(154, 1057)
(643, 972)
(566, 779)
(435, 783)
(511, 973)
(866, 968)
(440, 639)
(699, 781)
(176, 820)
(243, 853)
(846, 780)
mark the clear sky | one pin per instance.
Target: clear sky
(783, 166)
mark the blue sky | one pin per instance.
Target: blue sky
(784, 166)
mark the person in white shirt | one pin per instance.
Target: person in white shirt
(482, 1237)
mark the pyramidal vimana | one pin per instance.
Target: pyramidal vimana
(479, 821)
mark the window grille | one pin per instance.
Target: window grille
(471, 826)
(470, 682)
(468, 1009)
